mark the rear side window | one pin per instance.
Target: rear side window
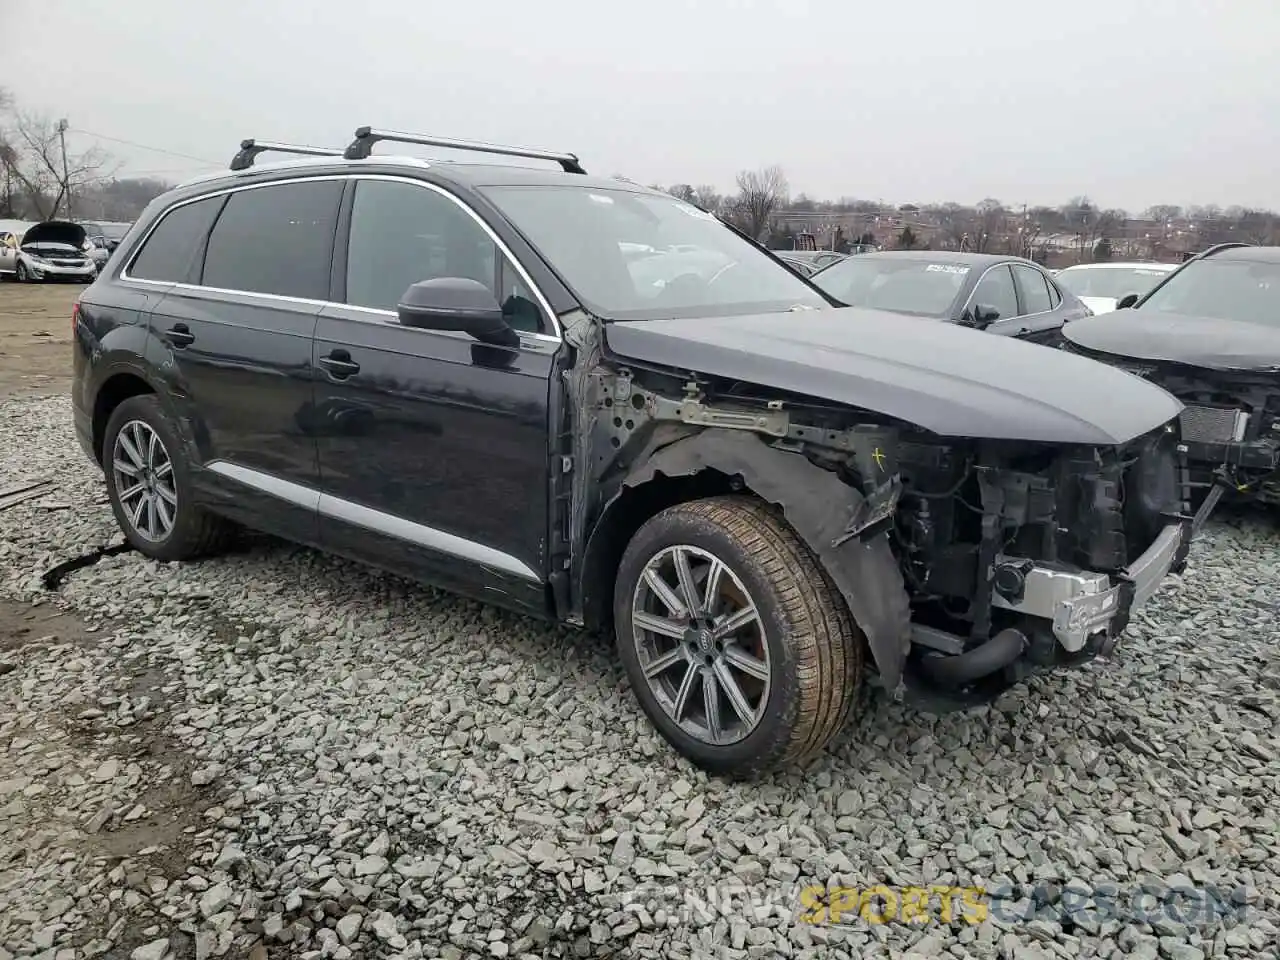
(1036, 297)
(276, 239)
(167, 253)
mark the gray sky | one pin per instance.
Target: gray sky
(1132, 102)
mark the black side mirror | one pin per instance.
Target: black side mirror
(980, 316)
(457, 303)
(1127, 301)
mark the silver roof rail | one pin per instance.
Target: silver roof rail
(362, 146)
(249, 149)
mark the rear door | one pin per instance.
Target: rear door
(1040, 319)
(434, 448)
(236, 345)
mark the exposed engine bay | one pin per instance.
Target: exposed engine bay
(1231, 425)
(1011, 557)
(1230, 428)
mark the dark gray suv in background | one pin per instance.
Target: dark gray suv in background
(452, 371)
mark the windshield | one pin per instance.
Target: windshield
(1110, 282)
(638, 256)
(1222, 289)
(926, 288)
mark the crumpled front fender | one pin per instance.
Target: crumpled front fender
(819, 506)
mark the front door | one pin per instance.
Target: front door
(236, 348)
(433, 447)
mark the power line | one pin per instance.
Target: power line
(143, 146)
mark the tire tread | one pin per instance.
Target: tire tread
(821, 638)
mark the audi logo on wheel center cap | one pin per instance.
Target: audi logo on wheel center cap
(704, 640)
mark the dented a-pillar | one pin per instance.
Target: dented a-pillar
(844, 528)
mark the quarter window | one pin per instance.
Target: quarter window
(402, 234)
(1036, 297)
(995, 289)
(169, 252)
(276, 240)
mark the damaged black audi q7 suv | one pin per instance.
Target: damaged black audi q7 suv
(453, 372)
(1210, 334)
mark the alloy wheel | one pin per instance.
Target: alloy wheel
(143, 476)
(701, 646)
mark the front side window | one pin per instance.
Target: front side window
(405, 233)
(1035, 290)
(167, 254)
(630, 255)
(1222, 289)
(276, 239)
(927, 288)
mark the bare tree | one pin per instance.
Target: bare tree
(760, 193)
(990, 225)
(31, 151)
(1164, 212)
(682, 191)
(708, 198)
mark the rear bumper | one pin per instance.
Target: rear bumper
(84, 429)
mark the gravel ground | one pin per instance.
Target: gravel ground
(277, 753)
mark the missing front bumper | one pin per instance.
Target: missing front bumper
(1080, 604)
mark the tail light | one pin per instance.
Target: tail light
(75, 318)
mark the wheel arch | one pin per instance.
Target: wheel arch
(814, 501)
(118, 387)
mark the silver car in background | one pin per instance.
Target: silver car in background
(1102, 285)
(52, 250)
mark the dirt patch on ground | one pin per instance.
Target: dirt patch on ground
(35, 337)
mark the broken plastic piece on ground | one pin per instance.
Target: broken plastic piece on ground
(12, 496)
(53, 577)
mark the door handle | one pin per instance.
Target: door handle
(339, 364)
(179, 336)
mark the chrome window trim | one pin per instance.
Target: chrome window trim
(376, 314)
(555, 337)
(336, 508)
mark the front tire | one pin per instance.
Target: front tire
(149, 485)
(22, 275)
(738, 646)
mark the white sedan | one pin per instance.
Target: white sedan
(1102, 285)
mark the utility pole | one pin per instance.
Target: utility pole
(66, 177)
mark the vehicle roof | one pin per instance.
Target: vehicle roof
(469, 174)
(952, 256)
(1122, 264)
(1253, 254)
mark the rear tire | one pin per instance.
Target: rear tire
(149, 485)
(785, 680)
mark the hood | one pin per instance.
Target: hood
(1173, 338)
(53, 249)
(951, 380)
(1099, 304)
(56, 231)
